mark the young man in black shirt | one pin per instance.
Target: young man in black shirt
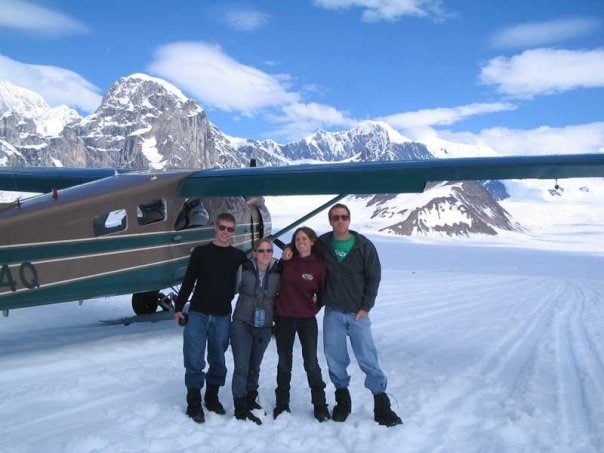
(210, 275)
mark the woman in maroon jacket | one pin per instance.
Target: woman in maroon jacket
(302, 283)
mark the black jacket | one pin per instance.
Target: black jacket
(353, 284)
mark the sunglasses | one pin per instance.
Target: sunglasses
(228, 228)
(264, 251)
(336, 217)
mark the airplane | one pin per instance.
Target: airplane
(106, 232)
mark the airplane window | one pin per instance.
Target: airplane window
(151, 212)
(109, 222)
(193, 214)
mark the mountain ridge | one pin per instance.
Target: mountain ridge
(147, 123)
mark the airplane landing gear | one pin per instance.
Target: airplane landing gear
(147, 302)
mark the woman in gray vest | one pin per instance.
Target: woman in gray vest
(258, 284)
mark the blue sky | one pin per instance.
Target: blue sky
(522, 77)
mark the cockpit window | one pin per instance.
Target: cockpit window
(151, 211)
(109, 222)
(193, 214)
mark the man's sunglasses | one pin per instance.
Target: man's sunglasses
(228, 228)
(336, 217)
(264, 251)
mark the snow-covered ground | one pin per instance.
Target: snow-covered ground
(487, 346)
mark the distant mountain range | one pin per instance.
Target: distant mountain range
(147, 123)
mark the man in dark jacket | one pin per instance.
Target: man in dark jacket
(210, 276)
(354, 274)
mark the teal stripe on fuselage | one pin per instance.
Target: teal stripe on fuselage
(108, 244)
(124, 282)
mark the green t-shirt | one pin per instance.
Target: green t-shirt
(342, 248)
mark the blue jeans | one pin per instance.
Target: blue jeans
(248, 344)
(337, 325)
(202, 330)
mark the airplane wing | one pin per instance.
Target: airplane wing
(357, 178)
(385, 177)
(44, 179)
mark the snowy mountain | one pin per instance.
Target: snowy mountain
(145, 122)
(369, 141)
(26, 105)
(142, 122)
(451, 209)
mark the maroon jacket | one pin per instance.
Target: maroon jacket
(300, 280)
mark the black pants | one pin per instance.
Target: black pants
(285, 332)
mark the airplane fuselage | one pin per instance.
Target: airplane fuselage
(120, 235)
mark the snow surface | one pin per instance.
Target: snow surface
(487, 347)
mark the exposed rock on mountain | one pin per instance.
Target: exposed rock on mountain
(145, 122)
(451, 209)
(370, 141)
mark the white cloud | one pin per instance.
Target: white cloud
(26, 16)
(56, 85)
(426, 118)
(219, 81)
(388, 10)
(545, 71)
(298, 120)
(245, 20)
(578, 139)
(543, 33)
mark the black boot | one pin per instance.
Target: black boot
(321, 412)
(282, 397)
(343, 405)
(243, 413)
(279, 409)
(251, 400)
(382, 412)
(194, 409)
(211, 399)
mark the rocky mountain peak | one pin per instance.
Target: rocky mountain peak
(147, 123)
(143, 93)
(380, 130)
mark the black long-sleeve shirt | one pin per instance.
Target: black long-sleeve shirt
(211, 271)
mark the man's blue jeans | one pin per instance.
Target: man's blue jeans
(202, 330)
(248, 344)
(337, 325)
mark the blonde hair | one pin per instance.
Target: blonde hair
(262, 241)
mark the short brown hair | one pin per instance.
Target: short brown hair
(227, 217)
(336, 206)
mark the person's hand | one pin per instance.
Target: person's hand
(362, 314)
(287, 254)
(180, 318)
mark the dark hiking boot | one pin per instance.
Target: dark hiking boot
(279, 409)
(243, 413)
(343, 406)
(321, 412)
(251, 400)
(211, 399)
(194, 409)
(382, 412)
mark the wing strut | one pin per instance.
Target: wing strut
(279, 243)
